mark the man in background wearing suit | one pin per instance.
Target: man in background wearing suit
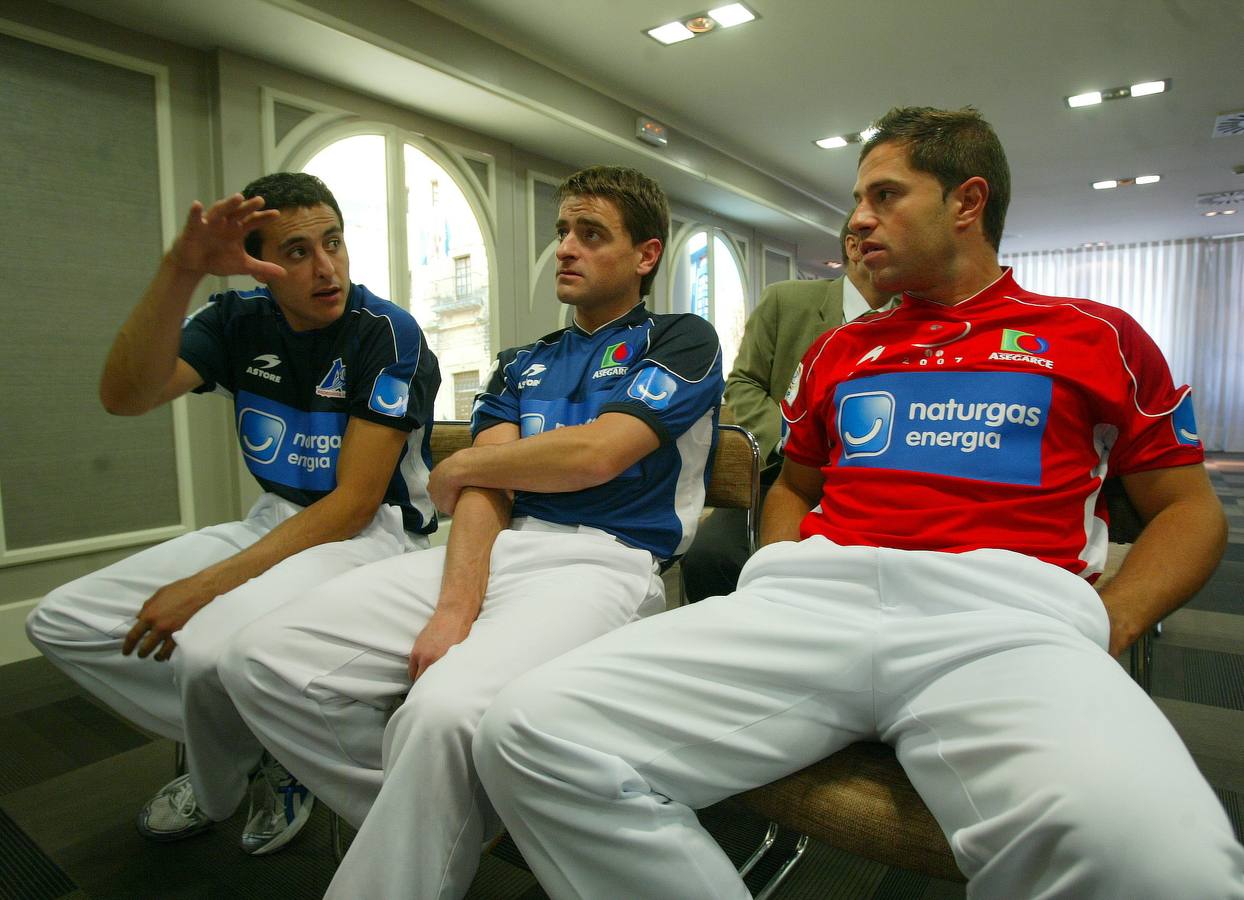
(790, 316)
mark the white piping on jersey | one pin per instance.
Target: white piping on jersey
(396, 356)
(658, 363)
(414, 473)
(592, 333)
(1070, 303)
(1005, 270)
(689, 490)
(862, 322)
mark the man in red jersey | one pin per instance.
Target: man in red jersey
(931, 545)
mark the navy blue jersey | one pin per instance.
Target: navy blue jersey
(663, 369)
(294, 391)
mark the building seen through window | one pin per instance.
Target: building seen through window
(708, 281)
(446, 279)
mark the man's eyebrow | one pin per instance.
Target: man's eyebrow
(293, 239)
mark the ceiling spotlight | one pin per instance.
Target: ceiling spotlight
(1212, 213)
(1125, 182)
(833, 264)
(860, 137)
(731, 15)
(1228, 212)
(1140, 89)
(700, 23)
(1145, 88)
(671, 33)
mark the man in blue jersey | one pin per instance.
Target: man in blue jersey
(587, 475)
(332, 390)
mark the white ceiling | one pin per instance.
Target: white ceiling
(809, 68)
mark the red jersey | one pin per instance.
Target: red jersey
(990, 423)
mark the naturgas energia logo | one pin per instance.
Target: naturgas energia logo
(984, 425)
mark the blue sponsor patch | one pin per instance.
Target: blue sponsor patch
(865, 421)
(653, 387)
(289, 446)
(1183, 420)
(986, 426)
(530, 423)
(389, 396)
(546, 415)
(260, 434)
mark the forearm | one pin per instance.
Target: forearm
(558, 461)
(479, 517)
(335, 517)
(784, 510)
(1174, 555)
(144, 352)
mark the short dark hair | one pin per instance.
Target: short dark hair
(842, 235)
(952, 145)
(643, 205)
(287, 190)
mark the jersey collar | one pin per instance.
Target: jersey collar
(634, 316)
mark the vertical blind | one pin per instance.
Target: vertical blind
(1189, 296)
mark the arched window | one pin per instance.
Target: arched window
(707, 279)
(414, 237)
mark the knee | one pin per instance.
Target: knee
(241, 659)
(1124, 840)
(433, 714)
(52, 623)
(516, 737)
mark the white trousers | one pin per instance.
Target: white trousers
(80, 627)
(318, 690)
(1050, 771)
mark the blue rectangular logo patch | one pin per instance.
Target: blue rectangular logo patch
(290, 446)
(986, 426)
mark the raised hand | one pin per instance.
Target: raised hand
(211, 243)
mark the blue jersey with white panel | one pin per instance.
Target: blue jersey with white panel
(294, 391)
(663, 369)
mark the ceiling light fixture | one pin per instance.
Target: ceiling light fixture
(1140, 89)
(671, 33)
(732, 14)
(702, 23)
(841, 140)
(1125, 182)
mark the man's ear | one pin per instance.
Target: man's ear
(649, 255)
(971, 196)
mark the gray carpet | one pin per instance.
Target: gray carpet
(73, 775)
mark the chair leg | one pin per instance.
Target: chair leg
(179, 759)
(787, 867)
(337, 837)
(757, 854)
(1140, 664)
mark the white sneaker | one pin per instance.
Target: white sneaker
(173, 813)
(279, 807)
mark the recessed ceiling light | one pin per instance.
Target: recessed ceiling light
(700, 24)
(731, 15)
(671, 33)
(1089, 99)
(1140, 89)
(1148, 87)
(833, 264)
(1228, 212)
(1125, 182)
(1212, 213)
(860, 137)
